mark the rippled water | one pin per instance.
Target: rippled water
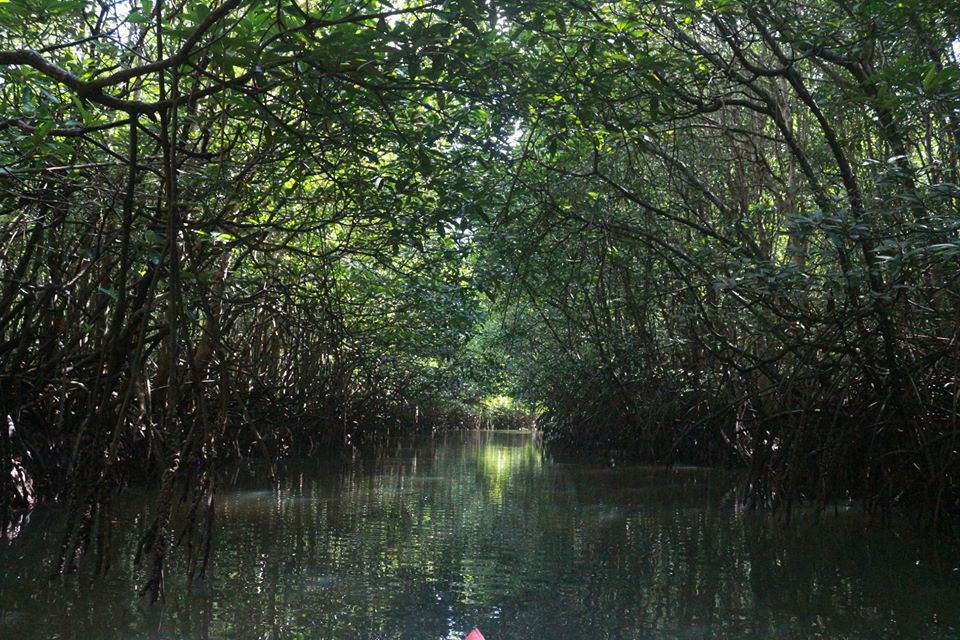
(428, 541)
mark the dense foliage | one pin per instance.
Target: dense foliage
(746, 242)
(697, 230)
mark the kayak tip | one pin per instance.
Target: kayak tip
(474, 635)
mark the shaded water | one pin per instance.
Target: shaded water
(427, 541)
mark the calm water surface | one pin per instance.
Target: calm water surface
(426, 541)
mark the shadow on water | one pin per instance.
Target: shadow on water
(427, 540)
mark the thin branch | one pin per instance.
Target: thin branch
(61, 132)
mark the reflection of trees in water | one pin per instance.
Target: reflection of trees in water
(480, 529)
(502, 534)
(840, 576)
(14, 524)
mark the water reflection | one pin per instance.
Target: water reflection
(427, 541)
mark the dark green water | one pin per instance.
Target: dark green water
(427, 541)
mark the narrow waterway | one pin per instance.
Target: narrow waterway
(427, 541)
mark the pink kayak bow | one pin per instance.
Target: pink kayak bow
(474, 635)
